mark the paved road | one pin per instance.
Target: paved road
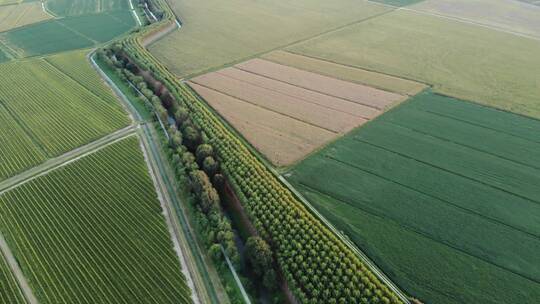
(16, 270)
(65, 159)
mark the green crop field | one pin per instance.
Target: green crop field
(60, 113)
(82, 7)
(77, 66)
(459, 59)
(399, 3)
(443, 194)
(69, 33)
(100, 27)
(18, 152)
(93, 232)
(9, 290)
(216, 32)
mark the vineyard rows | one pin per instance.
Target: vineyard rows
(9, 290)
(93, 232)
(75, 65)
(18, 152)
(59, 112)
(318, 267)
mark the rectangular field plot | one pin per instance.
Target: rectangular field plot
(459, 59)
(217, 32)
(285, 112)
(93, 232)
(13, 16)
(18, 151)
(347, 73)
(82, 7)
(100, 27)
(9, 289)
(443, 194)
(75, 64)
(59, 113)
(507, 15)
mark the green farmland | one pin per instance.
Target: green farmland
(443, 194)
(93, 232)
(76, 66)
(57, 112)
(69, 33)
(458, 59)
(216, 32)
(82, 7)
(9, 290)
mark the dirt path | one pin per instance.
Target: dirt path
(65, 159)
(16, 270)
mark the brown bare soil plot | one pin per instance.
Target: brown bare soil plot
(281, 139)
(326, 101)
(287, 113)
(331, 86)
(313, 114)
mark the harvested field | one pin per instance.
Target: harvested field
(442, 194)
(459, 59)
(216, 32)
(330, 86)
(282, 119)
(347, 73)
(267, 131)
(13, 16)
(507, 15)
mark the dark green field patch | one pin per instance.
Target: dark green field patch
(3, 56)
(443, 194)
(45, 38)
(82, 7)
(68, 33)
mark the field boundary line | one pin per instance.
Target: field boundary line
(447, 170)
(361, 103)
(24, 287)
(297, 97)
(182, 229)
(65, 159)
(76, 32)
(425, 84)
(281, 47)
(445, 201)
(465, 145)
(27, 130)
(46, 9)
(425, 235)
(365, 259)
(471, 22)
(164, 199)
(267, 109)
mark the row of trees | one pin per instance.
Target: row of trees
(318, 266)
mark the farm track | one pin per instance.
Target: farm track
(201, 279)
(65, 159)
(17, 273)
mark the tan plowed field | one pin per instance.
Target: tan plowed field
(281, 139)
(330, 119)
(319, 83)
(316, 98)
(287, 113)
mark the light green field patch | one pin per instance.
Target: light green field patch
(507, 15)
(377, 80)
(459, 59)
(218, 32)
(93, 231)
(82, 7)
(76, 65)
(59, 112)
(398, 3)
(13, 16)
